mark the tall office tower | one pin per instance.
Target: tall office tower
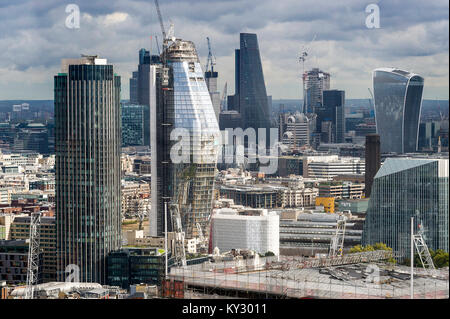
(143, 77)
(139, 87)
(372, 159)
(211, 83)
(134, 88)
(135, 125)
(87, 166)
(31, 137)
(253, 100)
(250, 98)
(180, 100)
(315, 82)
(334, 105)
(398, 103)
(405, 188)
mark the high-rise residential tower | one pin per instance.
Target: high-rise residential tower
(398, 102)
(315, 82)
(87, 166)
(180, 102)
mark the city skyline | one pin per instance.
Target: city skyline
(283, 30)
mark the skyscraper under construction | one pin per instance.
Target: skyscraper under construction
(179, 99)
(315, 82)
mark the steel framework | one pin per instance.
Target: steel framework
(33, 255)
(337, 241)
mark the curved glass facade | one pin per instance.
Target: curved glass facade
(183, 102)
(400, 189)
(398, 100)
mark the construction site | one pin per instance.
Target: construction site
(362, 275)
(355, 276)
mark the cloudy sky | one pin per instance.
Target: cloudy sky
(413, 35)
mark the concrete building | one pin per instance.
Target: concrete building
(20, 230)
(14, 262)
(296, 129)
(258, 231)
(309, 232)
(372, 160)
(330, 166)
(341, 190)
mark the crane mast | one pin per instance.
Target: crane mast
(211, 58)
(33, 255)
(337, 241)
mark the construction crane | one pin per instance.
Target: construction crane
(157, 45)
(179, 252)
(337, 241)
(223, 99)
(33, 255)
(421, 246)
(302, 59)
(371, 101)
(202, 239)
(161, 23)
(211, 58)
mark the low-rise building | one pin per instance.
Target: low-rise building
(256, 230)
(131, 266)
(14, 261)
(20, 229)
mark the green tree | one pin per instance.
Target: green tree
(440, 258)
(356, 249)
(269, 253)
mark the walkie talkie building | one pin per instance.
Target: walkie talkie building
(398, 102)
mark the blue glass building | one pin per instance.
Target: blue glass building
(135, 125)
(405, 188)
(398, 102)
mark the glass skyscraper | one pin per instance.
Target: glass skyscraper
(398, 102)
(250, 98)
(87, 164)
(179, 99)
(405, 188)
(135, 125)
(333, 110)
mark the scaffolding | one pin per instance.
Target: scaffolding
(249, 279)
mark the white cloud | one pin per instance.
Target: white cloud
(33, 40)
